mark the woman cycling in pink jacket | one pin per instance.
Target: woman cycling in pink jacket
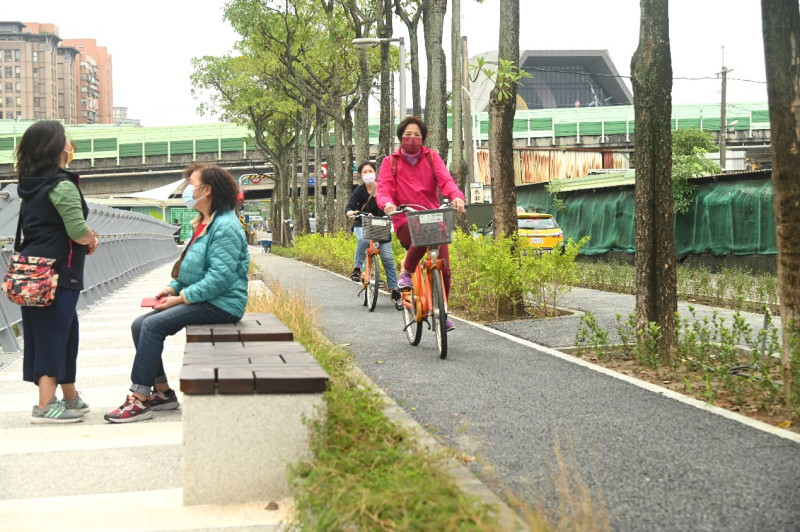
(412, 175)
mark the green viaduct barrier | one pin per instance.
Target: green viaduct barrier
(104, 141)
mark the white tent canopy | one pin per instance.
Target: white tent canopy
(161, 193)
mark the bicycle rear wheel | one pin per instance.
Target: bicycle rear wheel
(373, 282)
(412, 327)
(439, 312)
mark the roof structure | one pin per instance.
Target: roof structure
(560, 78)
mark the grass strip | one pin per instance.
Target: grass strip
(366, 473)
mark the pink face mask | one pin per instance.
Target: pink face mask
(411, 145)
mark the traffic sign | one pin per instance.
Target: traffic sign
(324, 170)
(256, 179)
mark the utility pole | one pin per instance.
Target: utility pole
(723, 114)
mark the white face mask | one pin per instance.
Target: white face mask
(188, 196)
(369, 178)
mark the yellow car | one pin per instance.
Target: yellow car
(540, 230)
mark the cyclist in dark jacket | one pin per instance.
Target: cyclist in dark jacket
(363, 199)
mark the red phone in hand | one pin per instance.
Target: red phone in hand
(152, 301)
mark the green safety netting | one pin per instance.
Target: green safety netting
(733, 216)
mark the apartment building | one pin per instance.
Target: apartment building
(43, 76)
(95, 99)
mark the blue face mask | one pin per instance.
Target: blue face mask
(188, 196)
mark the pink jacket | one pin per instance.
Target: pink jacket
(415, 184)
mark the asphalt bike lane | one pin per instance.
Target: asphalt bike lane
(654, 462)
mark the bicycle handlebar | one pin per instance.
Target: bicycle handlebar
(407, 207)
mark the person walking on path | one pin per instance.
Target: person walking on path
(53, 221)
(415, 174)
(363, 199)
(209, 286)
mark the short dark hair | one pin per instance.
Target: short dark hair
(366, 163)
(401, 128)
(224, 188)
(40, 149)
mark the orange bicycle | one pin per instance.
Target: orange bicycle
(427, 298)
(378, 229)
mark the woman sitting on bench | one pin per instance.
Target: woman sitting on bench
(209, 286)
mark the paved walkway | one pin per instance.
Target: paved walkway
(656, 460)
(94, 475)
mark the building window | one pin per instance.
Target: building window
(16, 55)
(35, 72)
(35, 57)
(19, 87)
(19, 101)
(36, 88)
(9, 87)
(37, 102)
(9, 101)
(9, 72)
(36, 115)
(19, 115)
(1, 115)
(17, 72)
(8, 55)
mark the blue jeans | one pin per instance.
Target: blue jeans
(149, 331)
(387, 257)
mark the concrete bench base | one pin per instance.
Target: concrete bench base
(236, 447)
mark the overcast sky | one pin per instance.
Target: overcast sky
(152, 42)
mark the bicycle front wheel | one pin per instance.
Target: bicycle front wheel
(439, 313)
(412, 327)
(373, 282)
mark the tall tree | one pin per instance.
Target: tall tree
(780, 21)
(410, 12)
(386, 129)
(362, 22)
(651, 69)
(243, 90)
(502, 107)
(436, 88)
(458, 166)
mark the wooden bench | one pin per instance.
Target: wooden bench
(247, 389)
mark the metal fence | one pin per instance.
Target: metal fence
(130, 245)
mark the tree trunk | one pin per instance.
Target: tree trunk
(436, 92)
(319, 155)
(300, 227)
(342, 177)
(501, 127)
(275, 209)
(501, 144)
(330, 181)
(362, 108)
(384, 15)
(412, 23)
(651, 69)
(416, 89)
(458, 166)
(305, 139)
(781, 29)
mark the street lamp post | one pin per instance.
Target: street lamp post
(369, 42)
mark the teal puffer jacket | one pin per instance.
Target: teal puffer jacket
(215, 266)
